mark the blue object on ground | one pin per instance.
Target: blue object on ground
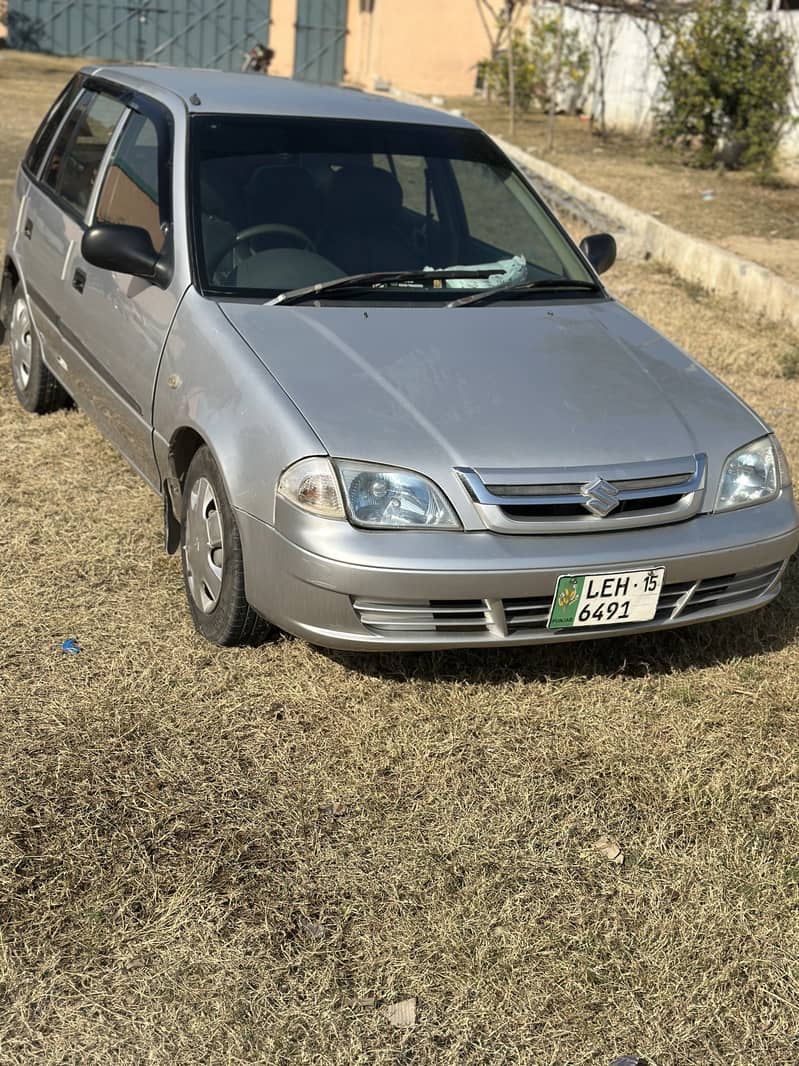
(71, 646)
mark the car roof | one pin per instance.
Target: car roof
(255, 94)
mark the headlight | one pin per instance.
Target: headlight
(312, 485)
(383, 497)
(377, 497)
(754, 474)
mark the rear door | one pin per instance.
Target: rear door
(121, 322)
(23, 244)
(52, 226)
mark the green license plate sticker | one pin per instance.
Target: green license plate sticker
(606, 599)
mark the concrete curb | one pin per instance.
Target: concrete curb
(638, 234)
(754, 286)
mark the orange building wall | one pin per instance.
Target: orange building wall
(427, 46)
(430, 46)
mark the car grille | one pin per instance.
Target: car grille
(564, 501)
(509, 617)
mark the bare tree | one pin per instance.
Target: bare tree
(606, 22)
(499, 19)
(642, 9)
(553, 92)
(498, 16)
(605, 29)
(509, 4)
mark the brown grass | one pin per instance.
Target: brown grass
(219, 857)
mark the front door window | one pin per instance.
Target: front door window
(130, 195)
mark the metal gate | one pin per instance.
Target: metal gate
(195, 33)
(319, 49)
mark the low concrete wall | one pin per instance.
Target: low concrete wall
(757, 288)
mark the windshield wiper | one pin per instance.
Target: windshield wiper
(524, 286)
(370, 280)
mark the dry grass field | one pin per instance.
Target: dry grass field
(240, 857)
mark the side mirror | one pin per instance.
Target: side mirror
(600, 251)
(126, 249)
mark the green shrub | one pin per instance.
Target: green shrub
(728, 79)
(788, 363)
(534, 63)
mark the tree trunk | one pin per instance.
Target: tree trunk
(553, 88)
(511, 70)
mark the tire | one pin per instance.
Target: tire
(37, 389)
(213, 563)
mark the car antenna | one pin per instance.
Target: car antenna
(195, 100)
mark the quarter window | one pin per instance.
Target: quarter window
(46, 131)
(79, 149)
(130, 193)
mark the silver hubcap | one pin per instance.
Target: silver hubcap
(203, 549)
(21, 344)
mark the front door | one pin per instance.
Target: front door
(122, 321)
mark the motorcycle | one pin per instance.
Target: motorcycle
(257, 60)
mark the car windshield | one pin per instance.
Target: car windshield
(282, 203)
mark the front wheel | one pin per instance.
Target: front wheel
(36, 388)
(213, 563)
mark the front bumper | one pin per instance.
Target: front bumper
(346, 588)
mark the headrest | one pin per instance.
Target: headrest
(281, 188)
(365, 193)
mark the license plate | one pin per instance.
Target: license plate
(605, 599)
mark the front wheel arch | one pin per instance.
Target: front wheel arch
(10, 280)
(184, 445)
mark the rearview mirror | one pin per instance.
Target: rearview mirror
(125, 249)
(600, 251)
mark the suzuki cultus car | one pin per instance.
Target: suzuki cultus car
(387, 402)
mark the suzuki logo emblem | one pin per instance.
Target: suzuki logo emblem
(600, 497)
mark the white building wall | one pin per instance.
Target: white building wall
(632, 78)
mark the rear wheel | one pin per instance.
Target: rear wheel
(213, 563)
(36, 388)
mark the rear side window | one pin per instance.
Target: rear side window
(130, 192)
(52, 120)
(79, 149)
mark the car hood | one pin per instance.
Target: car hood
(533, 385)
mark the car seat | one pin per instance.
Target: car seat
(362, 230)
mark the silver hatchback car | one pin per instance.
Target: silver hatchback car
(387, 402)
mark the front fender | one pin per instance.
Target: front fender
(211, 382)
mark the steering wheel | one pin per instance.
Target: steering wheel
(271, 228)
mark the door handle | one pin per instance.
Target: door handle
(28, 229)
(79, 280)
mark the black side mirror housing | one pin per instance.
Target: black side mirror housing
(600, 251)
(125, 249)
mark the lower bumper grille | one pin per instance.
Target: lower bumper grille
(735, 588)
(513, 616)
(424, 616)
